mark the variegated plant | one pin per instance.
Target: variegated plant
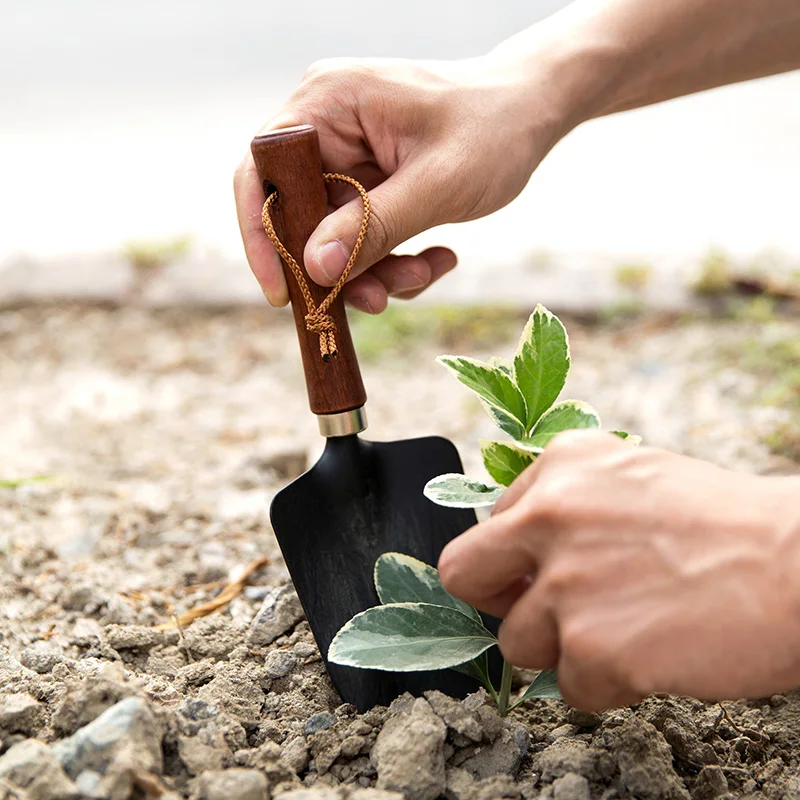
(420, 626)
(520, 397)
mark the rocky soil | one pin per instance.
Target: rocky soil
(167, 433)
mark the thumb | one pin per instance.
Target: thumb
(401, 207)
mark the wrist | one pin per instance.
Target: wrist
(566, 65)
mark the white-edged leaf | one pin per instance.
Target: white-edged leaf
(565, 416)
(494, 387)
(504, 461)
(459, 491)
(541, 363)
(630, 438)
(503, 364)
(545, 685)
(400, 578)
(409, 637)
(508, 424)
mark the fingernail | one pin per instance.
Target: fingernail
(332, 259)
(406, 281)
(361, 304)
(276, 299)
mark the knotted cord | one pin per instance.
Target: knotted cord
(318, 320)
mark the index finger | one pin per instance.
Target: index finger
(491, 563)
(264, 261)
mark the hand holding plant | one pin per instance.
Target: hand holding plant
(420, 626)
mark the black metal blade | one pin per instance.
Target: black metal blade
(360, 500)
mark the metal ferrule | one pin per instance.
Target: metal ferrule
(344, 424)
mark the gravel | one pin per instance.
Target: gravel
(168, 432)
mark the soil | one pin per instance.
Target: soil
(166, 433)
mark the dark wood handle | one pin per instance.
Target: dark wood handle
(289, 160)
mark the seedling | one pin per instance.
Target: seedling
(420, 626)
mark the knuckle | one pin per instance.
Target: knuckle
(381, 228)
(337, 70)
(586, 644)
(514, 648)
(322, 66)
(567, 443)
(551, 500)
(559, 578)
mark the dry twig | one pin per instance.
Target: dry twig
(222, 599)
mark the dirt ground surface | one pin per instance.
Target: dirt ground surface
(168, 432)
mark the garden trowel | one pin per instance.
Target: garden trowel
(361, 499)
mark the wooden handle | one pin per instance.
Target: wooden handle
(289, 160)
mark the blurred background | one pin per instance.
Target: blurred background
(121, 125)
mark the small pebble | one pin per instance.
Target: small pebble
(318, 722)
(41, 657)
(571, 787)
(279, 663)
(352, 745)
(304, 649)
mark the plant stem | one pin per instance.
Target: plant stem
(505, 689)
(486, 680)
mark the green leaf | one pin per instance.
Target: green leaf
(541, 363)
(504, 461)
(631, 438)
(16, 483)
(545, 685)
(566, 416)
(496, 389)
(508, 424)
(402, 579)
(409, 637)
(459, 491)
(478, 669)
(503, 364)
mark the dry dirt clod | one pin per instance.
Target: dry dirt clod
(104, 756)
(30, 765)
(20, 713)
(295, 754)
(375, 794)
(568, 755)
(241, 784)
(645, 762)
(311, 794)
(41, 657)
(280, 663)
(409, 752)
(571, 787)
(280, 611)
(456, 716)
(86, 701)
